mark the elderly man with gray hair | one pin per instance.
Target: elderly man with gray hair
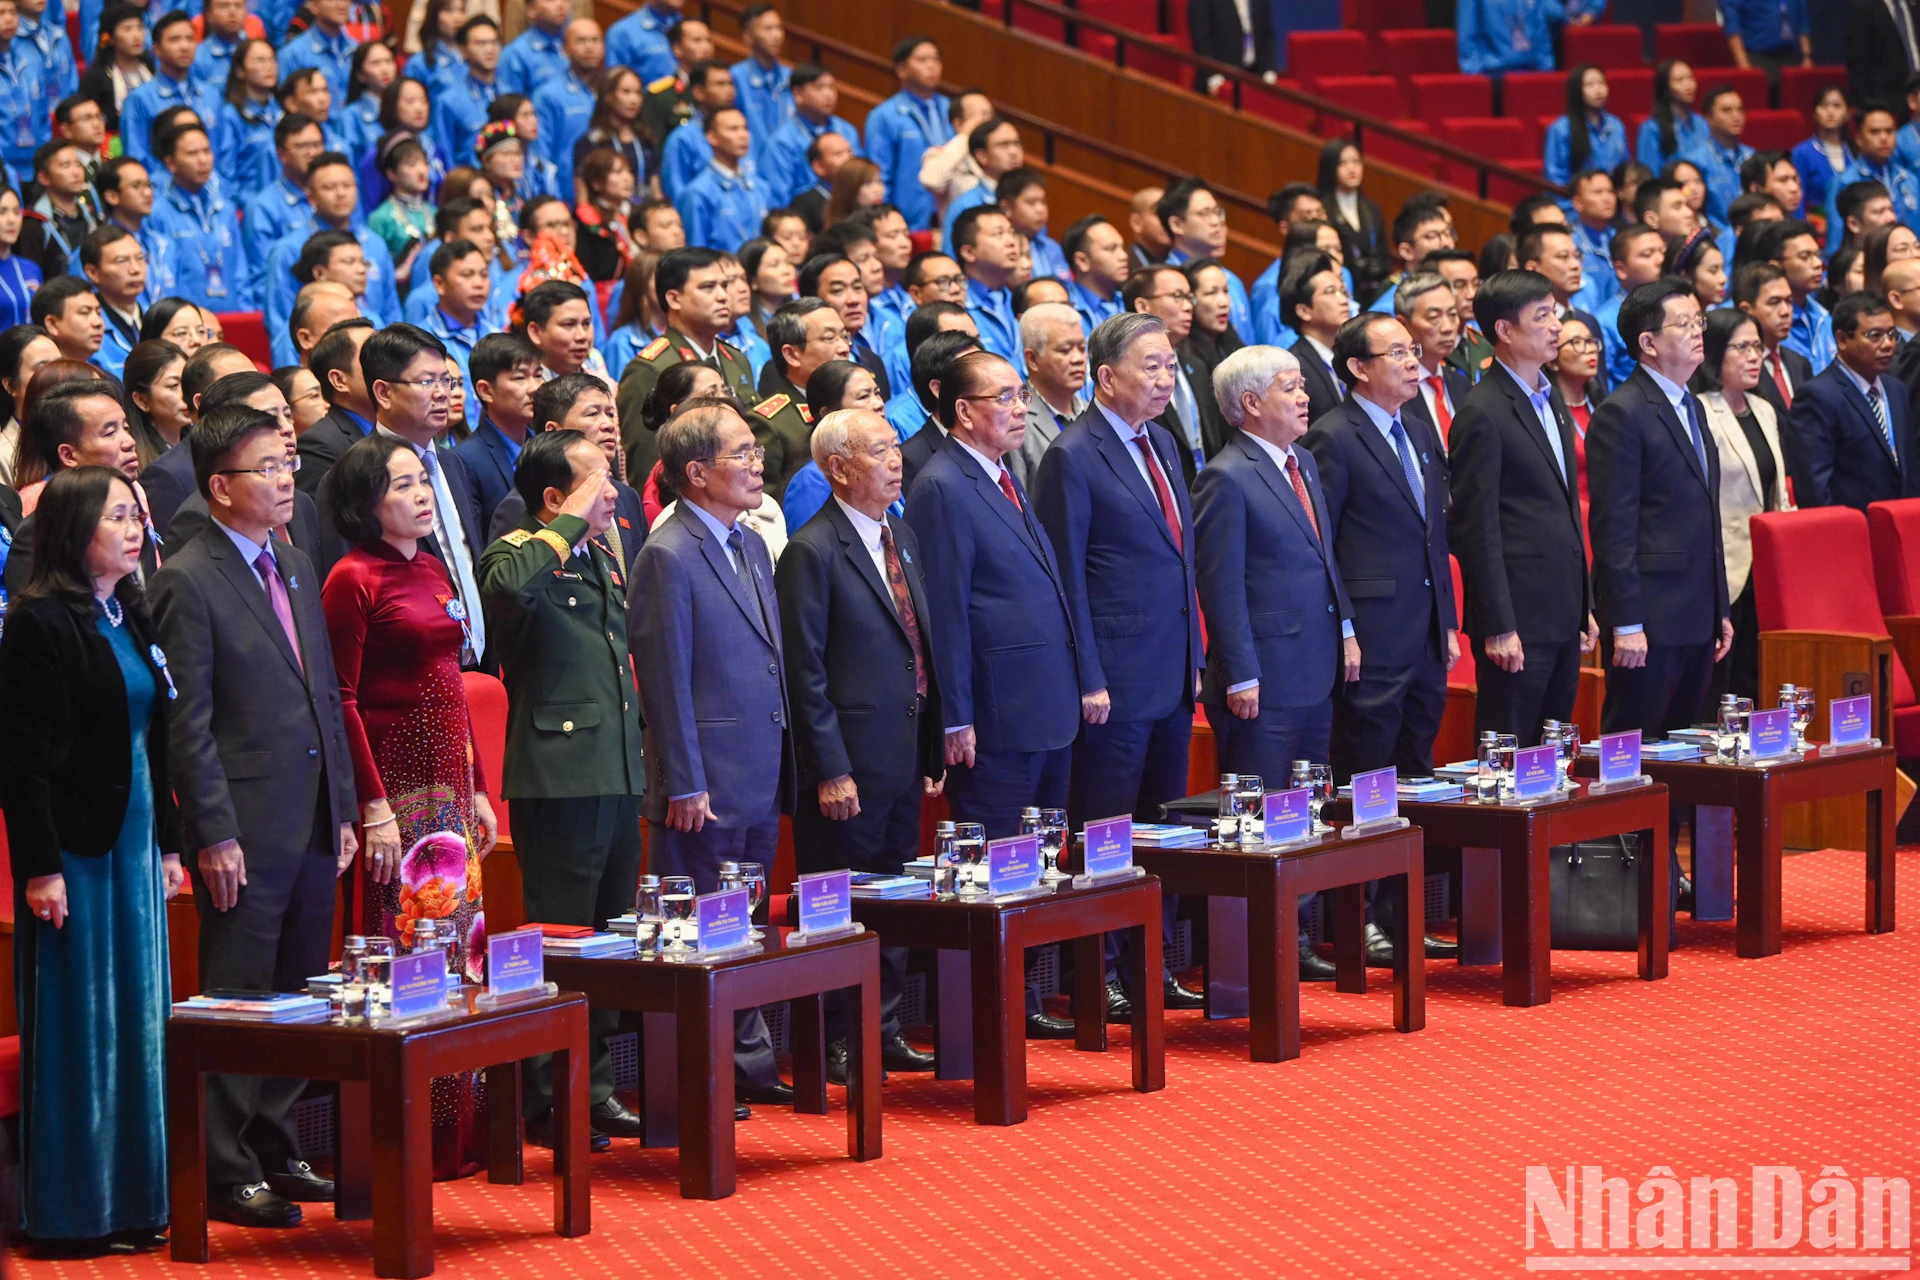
(852, 611)
(1056, 349)
(1110, 497)
(1279, 624)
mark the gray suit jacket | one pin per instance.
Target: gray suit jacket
(713, 688)
(1042, 430)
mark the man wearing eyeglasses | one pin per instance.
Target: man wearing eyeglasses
(1850, 438)
(1659, 572)
(1196, 224)
(1315, 299)
(1164, 293)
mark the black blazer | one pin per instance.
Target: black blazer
(20, 558)
(66, 744)
(1369, 256)
(256, 733)
(488, 462)
(1324, 391)
(1198, 356)
(1658, 560)
(1515, 523)
(1393, 561)
(168, 482)
(1835, 450)
(1877, 67)
(321, 446)
(1214, 26)
(850, 670)
(920, 447)
(10, 517)
(1799, 373)
(192, 517)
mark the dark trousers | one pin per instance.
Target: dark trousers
(882, 838)
(278, 933)
(699, 854)
(1131, 767)
(1389, 716)
(996, 787)
(1738, 672)
(1268, 745)
(579, 863)
(1518, 702)
(1662, 696)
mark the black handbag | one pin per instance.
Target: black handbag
(1595, 895)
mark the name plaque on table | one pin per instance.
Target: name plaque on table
(418, 984)
(1620, 757)
(1109, 846)
(1287, 815)
(1850, 721)
(723, 919)
(1536, 772)
(515, 962)
(825, 901)
(1771, 733)
(1376, 797)
(1013, 864)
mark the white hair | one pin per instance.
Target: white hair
(1250, 369)
(1034, 325)
(830, 437)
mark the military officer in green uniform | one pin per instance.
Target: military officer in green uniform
(692, 288)
(806, 335)
(573, 768)
(669, 101)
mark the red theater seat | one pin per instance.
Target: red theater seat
(1139, 15)
(1604, 46)
(247, 330)
(1405, 155)
(1895, 531)
(1800, 88)
(1527, 94)
(1751, 82)
(1271, 106)
(1033, 22)
(1436, 97)
(1629, 92)
(1409, 53)
(1703, 44)
(1312, 54)
(1383, 15)
(487, 706)
(1775, 130)
(1379, 96)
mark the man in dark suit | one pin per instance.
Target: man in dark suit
(1011, 688)
(335, 362)
(1653, 472)
(852, 606)
(505, 369)
(703, 623)
(1162, 291)
(1550, 249)
(1850, 438)
(258, 750)
(1761, 290)
(1314, 298)
(1425, 304)
(1279, 624)
(1218, 33)
(253, 390)
(1384, 481)
(932, 358)
(1881, 49)
(581, 402)
(167, 481)
(1122, 534)
(1515, 524)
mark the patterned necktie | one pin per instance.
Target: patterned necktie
(1168, 511)
(737, 542)
(269, 572)
(1878, 399)
(1415, 481)
(1300, 492)
(903, 605)
(1442, 416)
(1006, 487)
(614, 545)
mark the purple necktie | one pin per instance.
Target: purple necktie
(282, 606)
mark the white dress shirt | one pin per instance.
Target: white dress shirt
(869, 530)
(1541, 397)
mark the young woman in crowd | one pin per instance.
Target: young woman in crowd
(373, 69)
(156, 411)
(837, 384)
(303, 395)
(855, 187)
(243, 135)
(179, 322)
(1573, 371)
(637, 319)
(20, 276)
(603, 235)
(1698, 260)
(1824, 156)
(1588, 136)
(404, 220)
(1892, 243)
(1354, 214)
(25, 349)
(614, 125)
(1674, 127)
(439, 54)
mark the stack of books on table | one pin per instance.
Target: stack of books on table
(590, 945)
(1168, 835)
(919, 868)
(872, 884)
(1665, 749)
(264, 1006)
(1463, 771)
(626, 926)
(1436, 788)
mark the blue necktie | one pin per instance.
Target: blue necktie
(1694, 431)
(1415, 480)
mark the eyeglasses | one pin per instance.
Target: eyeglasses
(1398, 354)
(1878, 336)
(1692, 324)
(124, 520)
(1184, 299)
(1752, 347)
(431, 383)
(744, 456)
(1021, 396)
(1212, 214)
(270, 472)
(1579, 344)
(945, 282)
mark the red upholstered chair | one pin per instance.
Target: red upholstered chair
(1775, 130)
(1530, 94)
(1030, 20)
(9, 1077)
(1434, 97)
(1751, 83)
(1312, 54)
(487, 705)
(1138, 15)
(1895, 531)
(247, 330)
(1511, 142)
(1370, 95)
(1409, 53)
(1800, 87)
(1604, 46)
(1271, 106)
(1630, 92)
(1702, 44)
(1404, 155)
(1455, 740)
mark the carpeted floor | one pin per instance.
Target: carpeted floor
(1374, 1154)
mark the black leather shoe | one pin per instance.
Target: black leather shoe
(742, 1111)
(1041, 1026)
(1119, 1008)
(140, 1240)
(540, 1134)
(777, 1094)
(615, 1119)
(300, 1183)
(1379, 948)
(897, 1055)
(1312, 967)
(254, 1205)
(1684, 901)
(1442, 948)
(837, 1063)
(1179, 997)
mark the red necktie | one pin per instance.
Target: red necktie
(1442, 416)
(1006, 487)
(1160, 490)
(1300, 492)
(1780, 379)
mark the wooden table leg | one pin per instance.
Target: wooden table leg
(401, 1108)
(1410, 950)
(952, 980)
(706, 1091)
(1269, 939)
(659, 1080)
(1757, 833)
(353, 1153)
(1145, 963)
(1347, 908)
(999, 1018)
(1286, 915)
(809, 1055)
(1655, 893)
(1526, 919)
(506, 1126)
(186, 1147)
(1480, 906)
(1229, 957)
(1880, 824)
(863, 1063)
(572, 1191)
(1089, 994)
(1712, 862)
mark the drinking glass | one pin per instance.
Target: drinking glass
(1505, 746)
(1569, 753)
(970, 842)
(1799, 700)
(1226, 827)
(1726, 742)
(1249, 796)
(1744, 709)
(1320, 779)
(1053, 844)
(377, 968)
(946, 861)
(753, 877)
(1486, 782)
(648, 916)
(729, 876)
(676, 907)
(350, 998)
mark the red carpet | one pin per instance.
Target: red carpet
(1375, 1154)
